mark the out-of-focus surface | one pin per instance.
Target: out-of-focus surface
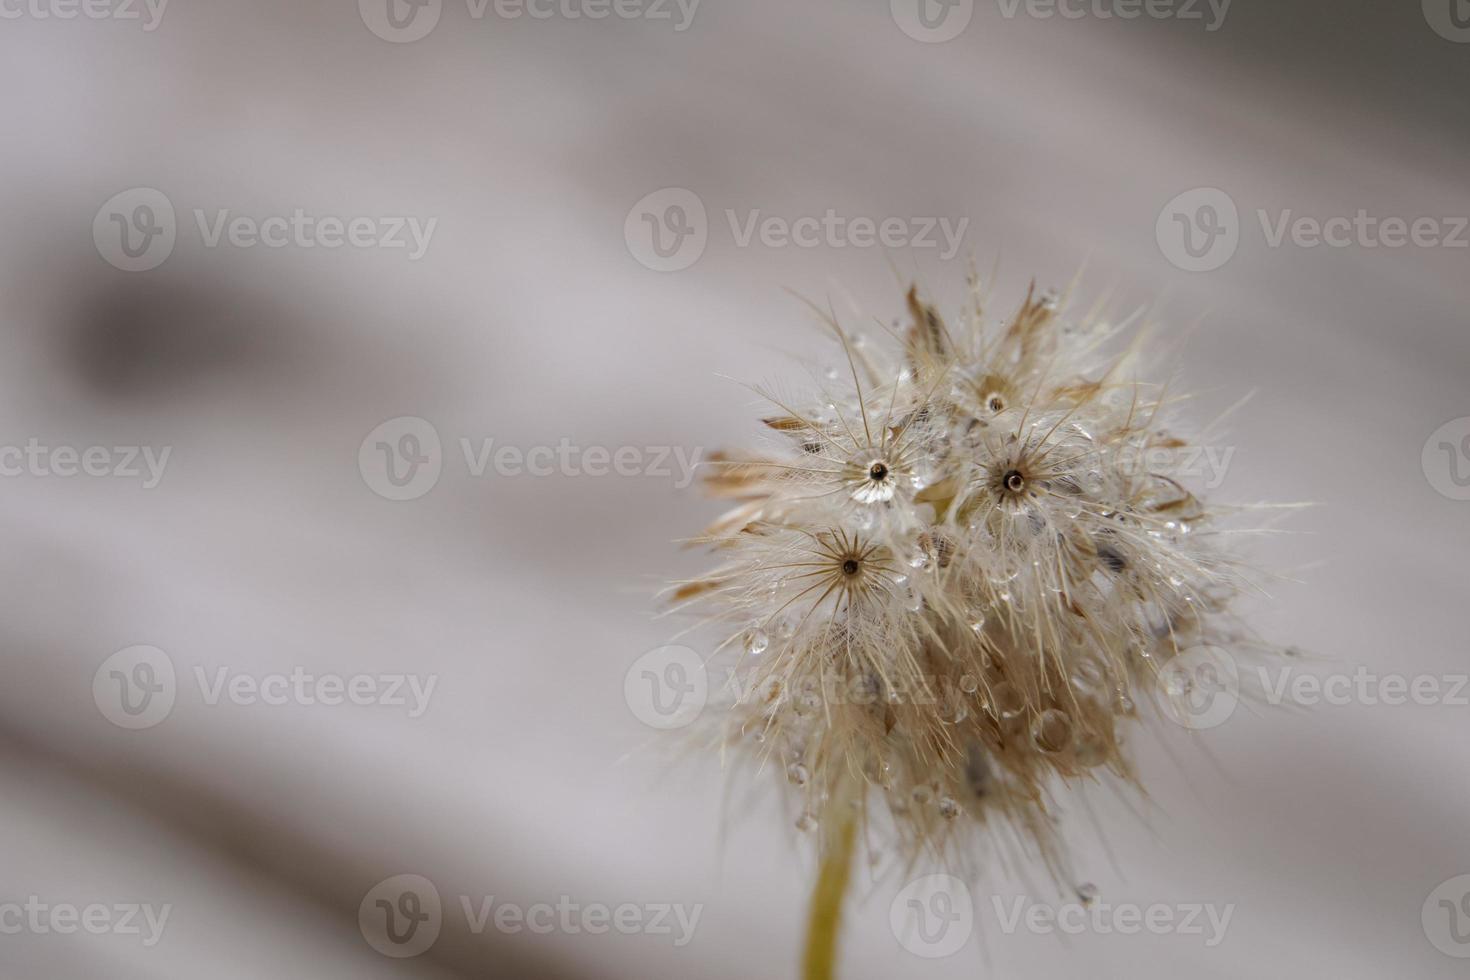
(268, 546)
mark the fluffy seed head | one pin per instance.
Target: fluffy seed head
(963, 559)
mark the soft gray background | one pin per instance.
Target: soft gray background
(530, 321)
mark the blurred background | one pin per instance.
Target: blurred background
(288, 289)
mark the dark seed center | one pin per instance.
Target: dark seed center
(878, 472)
(850, 566)
(1014, 481)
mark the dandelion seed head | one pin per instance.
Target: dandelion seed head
(963, 570)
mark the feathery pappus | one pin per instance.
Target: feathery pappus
(969, 551)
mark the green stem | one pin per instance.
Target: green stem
(819, 962)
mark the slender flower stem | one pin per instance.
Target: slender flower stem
(820, 959)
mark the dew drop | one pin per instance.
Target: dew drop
(1087, 894)
(969, 684)
(1008, 699)
(948, 808)
(1052, 730)
(797, 774)
(756, 642)
(977, 625)
(1004, 572)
